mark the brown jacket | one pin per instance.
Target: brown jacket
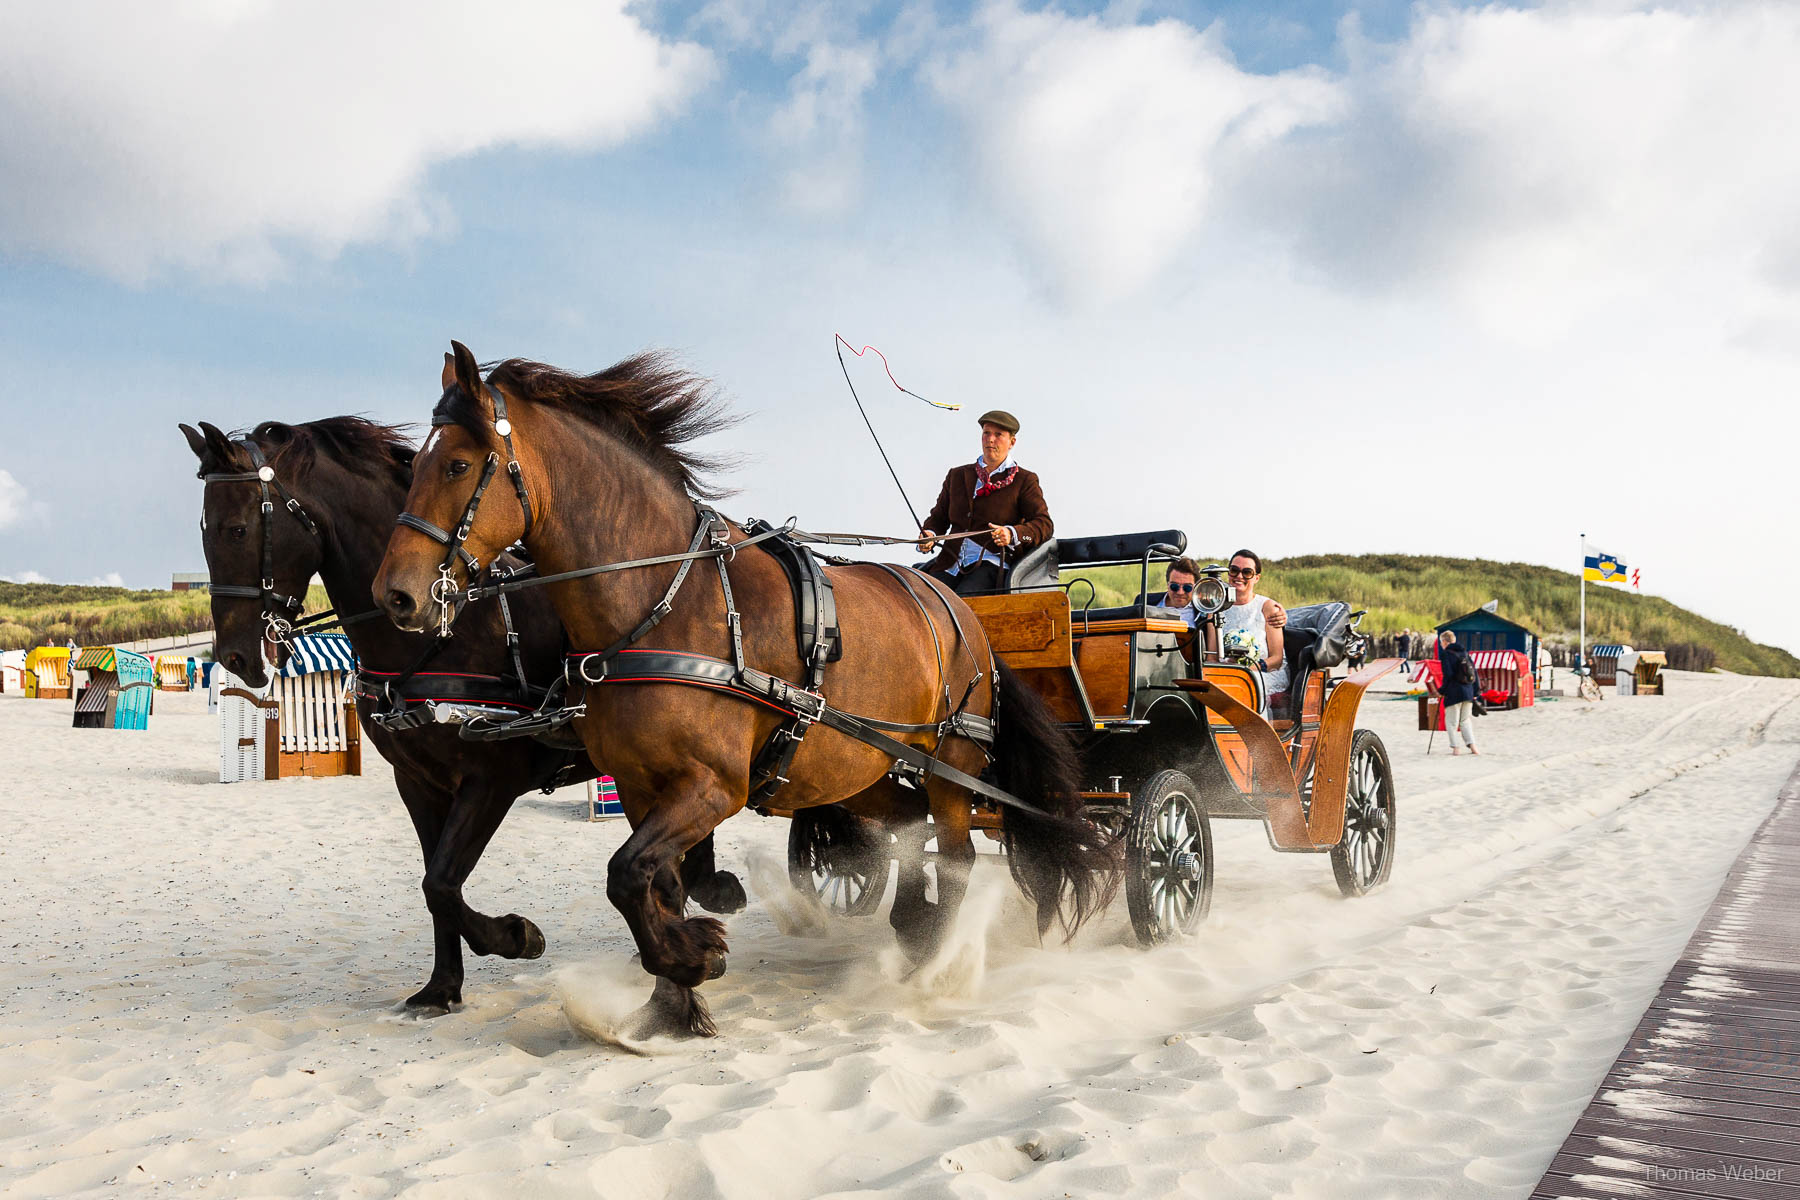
(1019, 504)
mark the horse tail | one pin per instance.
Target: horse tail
(1058, 858)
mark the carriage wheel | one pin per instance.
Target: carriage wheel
(1364, 858)
(841, 858)
(1168, 858)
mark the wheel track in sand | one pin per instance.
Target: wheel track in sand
(1480, 866)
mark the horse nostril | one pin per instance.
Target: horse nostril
(234, 662)
(400, 603)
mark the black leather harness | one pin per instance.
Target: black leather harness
(399, 699)
(816, 620)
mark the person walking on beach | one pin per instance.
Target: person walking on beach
(1405, 651)
(1458, 692)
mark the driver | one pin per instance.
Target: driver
(995, 495)
(1257, 616)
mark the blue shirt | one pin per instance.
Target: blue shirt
(973, 552)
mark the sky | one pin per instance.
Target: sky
(1466, 280)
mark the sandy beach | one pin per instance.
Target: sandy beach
(205, 985)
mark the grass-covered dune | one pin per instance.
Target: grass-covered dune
(1414, 592)
(33, 614)
(1400, 592)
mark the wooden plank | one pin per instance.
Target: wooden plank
(1129, 625)
(1105, 664)
(1685, 1145)
(1028, 630)
(1710, 1078)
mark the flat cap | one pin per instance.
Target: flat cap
(1003, 419)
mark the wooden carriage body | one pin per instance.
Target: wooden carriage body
(117, 692)
(1139, 691)
(47, 675)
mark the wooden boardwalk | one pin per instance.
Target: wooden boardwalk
(1705, 1098)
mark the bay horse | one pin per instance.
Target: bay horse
(602, 473)
(347, 478)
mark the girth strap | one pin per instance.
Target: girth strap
(698, 670)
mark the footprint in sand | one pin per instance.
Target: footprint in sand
(1004, 1158)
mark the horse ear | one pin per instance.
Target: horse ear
(468, 371)
(196, 441)
(449, 375)
(219, 444)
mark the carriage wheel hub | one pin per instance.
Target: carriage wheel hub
(1187, 866)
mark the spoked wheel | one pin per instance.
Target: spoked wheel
(1168, 859)
(1364, 858)
(839, 857)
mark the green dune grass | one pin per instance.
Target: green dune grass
(1414, 592)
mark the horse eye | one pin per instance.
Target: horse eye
(455, 467)
(238, 533)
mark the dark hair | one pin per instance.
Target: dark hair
(1183, 564)
(1249, 554)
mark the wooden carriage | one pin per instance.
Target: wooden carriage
(117, 692)
(1172, 739)
(47, 674)
(303, 723)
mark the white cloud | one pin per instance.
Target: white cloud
(222, 136)
(1545, 163)
(24, 577)
(821, 124)
(14, 504)
(110, 579)
(1536, 165)
(1101, 144)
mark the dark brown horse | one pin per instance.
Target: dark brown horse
(605, 476)
(349, 476)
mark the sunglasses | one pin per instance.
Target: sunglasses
(1245, 572)
(1181, 587)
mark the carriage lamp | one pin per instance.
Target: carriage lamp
(1210, 593)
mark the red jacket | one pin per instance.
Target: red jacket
(1019, 504)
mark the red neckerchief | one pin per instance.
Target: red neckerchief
(985, 483)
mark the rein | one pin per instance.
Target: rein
(804, 705)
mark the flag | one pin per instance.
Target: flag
(1604, 568)
(1634, 580)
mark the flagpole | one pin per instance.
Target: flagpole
(1581, 648)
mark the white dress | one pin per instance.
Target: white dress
(1249, 617)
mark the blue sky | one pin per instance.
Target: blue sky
(1488, 276)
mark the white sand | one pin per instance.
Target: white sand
(204, 984)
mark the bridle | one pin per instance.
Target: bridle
(449, 597)
(280, 613)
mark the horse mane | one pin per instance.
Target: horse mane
(354, 442)
(647, 401)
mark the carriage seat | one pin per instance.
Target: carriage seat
(1038, 567)
(1317, 636)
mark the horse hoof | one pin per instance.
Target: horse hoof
(722, 894)
(717, 968)
(533, 939)
(435, 1000)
